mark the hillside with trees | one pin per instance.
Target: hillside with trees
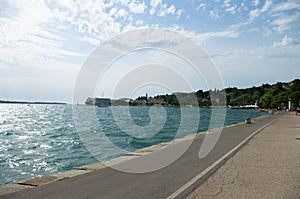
(265, 96)
(279, 94)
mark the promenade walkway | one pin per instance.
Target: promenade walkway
(267, 167)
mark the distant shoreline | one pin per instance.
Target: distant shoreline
(24, 102)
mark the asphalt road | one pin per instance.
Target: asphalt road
(267, 167)
(110, 183)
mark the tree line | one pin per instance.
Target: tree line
(265, 96)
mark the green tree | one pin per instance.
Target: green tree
(295, 97)
(266, 100)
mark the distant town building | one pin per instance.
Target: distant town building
(120, 102)
(157, 101)
(102, 102)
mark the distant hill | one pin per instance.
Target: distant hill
(265, 96)
(24, 102)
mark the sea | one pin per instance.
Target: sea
(37, 140)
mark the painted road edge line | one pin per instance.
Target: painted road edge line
(217, 162)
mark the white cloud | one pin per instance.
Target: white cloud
(284, 42)
(266, 6)
(286, 6)
(226, 3)
(254, 30)
(179, 13)
(201, 38)
(118, 13)
(201, 6)
(113, 11)
(139, 22)
(165, 10)
(91, 40)
(231, 9)
(256, 12)
(47, 37)
(283, 23)
(265, 52)
(24, 39)
(243, 7)
(123, 2)
(154, 4)
(101, 24)
(259, 65)
(255, 2)
(267, 32)
(121, 13)
(31, 13)
(171, 9)
(285, 15)
(229, 33)
(137, 8)
(214, 14)
(152, 11)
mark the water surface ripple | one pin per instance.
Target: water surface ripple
(38, 140)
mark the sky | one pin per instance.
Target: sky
(44, 43)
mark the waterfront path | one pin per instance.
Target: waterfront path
(172, 180)
(267, 167)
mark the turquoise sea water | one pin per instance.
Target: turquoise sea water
(37, 140)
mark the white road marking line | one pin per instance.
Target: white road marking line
(196, 178)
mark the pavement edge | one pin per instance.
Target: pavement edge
(187, 188)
